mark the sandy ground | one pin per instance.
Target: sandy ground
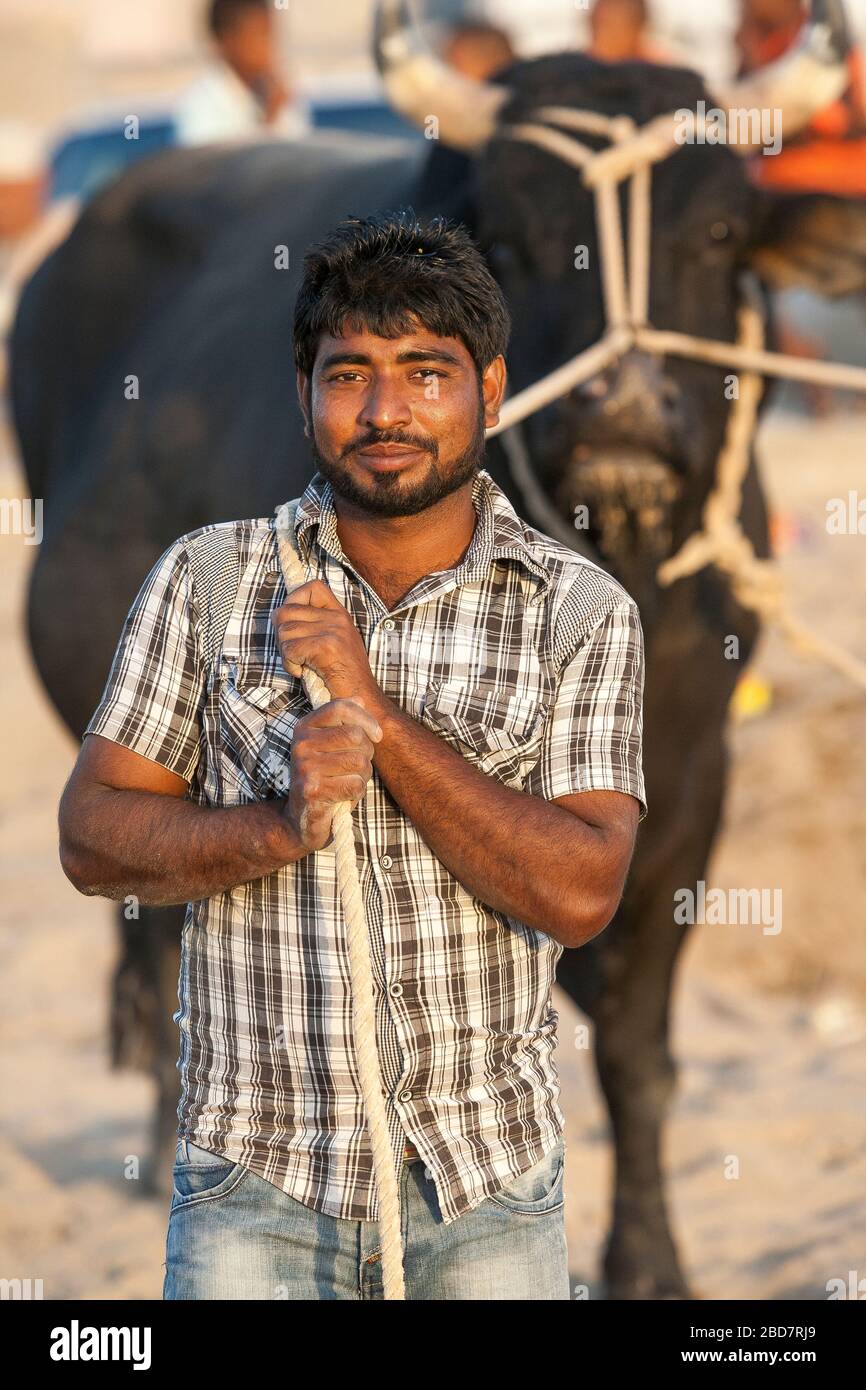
(769, 1030)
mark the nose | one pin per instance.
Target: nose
(632, 396)
(385, 405)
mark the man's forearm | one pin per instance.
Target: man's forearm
(518, 853)
(166, 849)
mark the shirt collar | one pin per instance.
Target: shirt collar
(499, 531)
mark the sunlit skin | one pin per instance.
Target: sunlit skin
(413, 401)
(417, 397)
(371, 401)
(478, 54)
(248, 45)
(617, 31)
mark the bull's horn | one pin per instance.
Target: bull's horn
(421, 86)
(803, 81)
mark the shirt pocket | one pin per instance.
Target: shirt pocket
(257, 726)
(499, 732)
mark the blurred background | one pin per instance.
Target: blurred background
(770, 1031)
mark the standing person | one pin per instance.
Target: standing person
(477, 49)
(829, 156)
(243, 95)
(485, 724)
(619, 33)
(481, 52)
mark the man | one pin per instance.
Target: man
(242, 96)
(485, 725)
(478, 49)
(482, 52)
(618, 33)
(829, 156)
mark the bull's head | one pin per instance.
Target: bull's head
(635, 444)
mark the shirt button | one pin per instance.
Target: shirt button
(405, 1095)
(388, 624)
(395, 989)
(386, 861)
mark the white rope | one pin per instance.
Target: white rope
(639, 228)
(665, 344)
(360, 971)
(756, 583)
(564, 379)
(602, 170)
(631, 154)
(612, 262)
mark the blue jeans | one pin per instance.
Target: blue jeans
(232, 1235)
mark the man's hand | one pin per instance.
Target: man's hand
(314, 629)
(332, 761)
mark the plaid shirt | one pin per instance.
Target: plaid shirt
(525, 658)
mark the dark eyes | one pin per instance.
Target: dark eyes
(424, 372)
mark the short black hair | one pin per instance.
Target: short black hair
(387, 272)
(223, 14)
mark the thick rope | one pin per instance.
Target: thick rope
(756, 583)
(631, 154)
(360, 970)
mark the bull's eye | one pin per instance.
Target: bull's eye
(720, 231)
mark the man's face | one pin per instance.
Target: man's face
(398, 423)
(248, 45)
(616, 27)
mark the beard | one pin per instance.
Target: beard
(390, 494)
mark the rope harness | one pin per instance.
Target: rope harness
(720, 542)
(630, 155)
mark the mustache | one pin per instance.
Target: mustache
(426, 443)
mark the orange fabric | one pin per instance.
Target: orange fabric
(818, 166)
(829, 156)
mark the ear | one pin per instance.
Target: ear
(815, 242)
(303, 384)
(493, 383)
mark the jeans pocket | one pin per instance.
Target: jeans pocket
(199, 1174)
(539, 1189)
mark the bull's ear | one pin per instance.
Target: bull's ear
(814, 241)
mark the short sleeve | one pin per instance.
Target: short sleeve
(592, 737)
(153, 697)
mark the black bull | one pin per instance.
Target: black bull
(154, 392)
